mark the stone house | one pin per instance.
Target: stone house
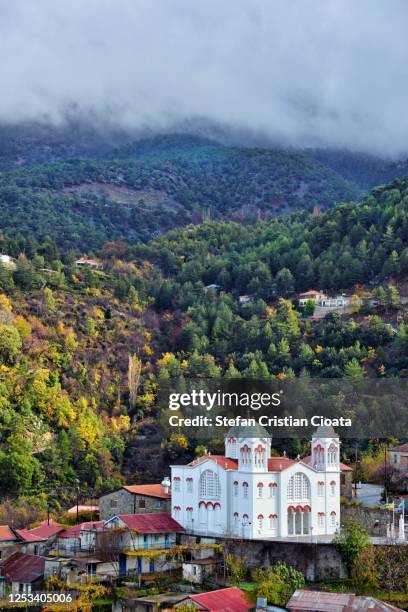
(135, 499)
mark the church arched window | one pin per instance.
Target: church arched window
(332, 455)
(210, 485)
(298, 487)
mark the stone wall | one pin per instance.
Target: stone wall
(374, 521)
(124, 502)
(316, 561)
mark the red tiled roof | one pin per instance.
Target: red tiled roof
(150, 490)
(402, 448)
(343, 466)
(27, 536)
(23, 568)
(155, 522)
(221, 460)
(231, 599)
(278, 464)
(45, 530)
(6, 533)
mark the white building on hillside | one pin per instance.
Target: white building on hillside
(248, 493)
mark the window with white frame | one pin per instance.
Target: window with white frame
(333, 519)
(272, 489)
(333, 488)
(210, 487)
(260, 521)
(176, 512)
(236, 488)
(176, 484)
(299, 487)
(273, 522)
(236, 519)
(245, 489)
(189, 515)
(320, 489)
(189, 482)
(320, 519)
(260, 489)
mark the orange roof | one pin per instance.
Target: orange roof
(6, 533)
(231, 599)
(221, 460)
(150, 490)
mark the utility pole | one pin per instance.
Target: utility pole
(77, 500)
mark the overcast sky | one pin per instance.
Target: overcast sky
(318, 72)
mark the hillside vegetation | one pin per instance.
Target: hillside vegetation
(69, 338)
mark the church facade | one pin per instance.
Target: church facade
(247, 493)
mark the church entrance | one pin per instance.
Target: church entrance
(299, 520)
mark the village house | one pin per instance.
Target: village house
(87, 262)
(24, 573)
(79, 538)
(143, 541)
(197, 571)
(135, 499)
(399, 457)
(29, 542)
(18, 540)
(46, 533)
(311, 296)
(248, 493)
(8, 542)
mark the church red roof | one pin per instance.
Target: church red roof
(221, 460)
(278, 464)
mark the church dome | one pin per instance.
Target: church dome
(248, 431)
(325, 431)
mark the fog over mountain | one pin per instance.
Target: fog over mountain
(301, 73)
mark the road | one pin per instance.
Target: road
(369, 494)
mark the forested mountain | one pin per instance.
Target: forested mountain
(82, 190)
(85, 203)
(68, 336)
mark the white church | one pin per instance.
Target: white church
(249, 494)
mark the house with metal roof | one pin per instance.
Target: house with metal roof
(25, 573)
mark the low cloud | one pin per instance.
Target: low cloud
(302, 73)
